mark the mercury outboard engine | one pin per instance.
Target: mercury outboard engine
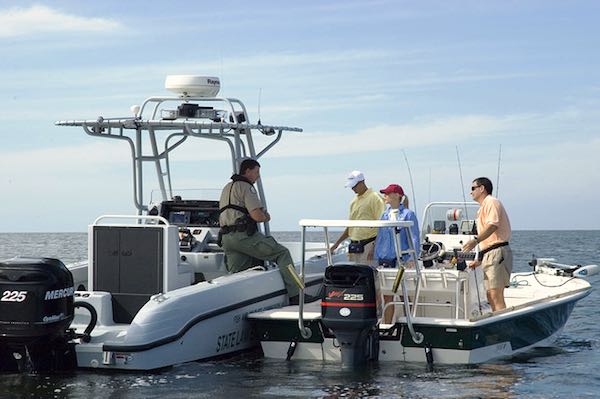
(350, 309)
(36, 309)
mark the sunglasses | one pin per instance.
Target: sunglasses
(474, 187)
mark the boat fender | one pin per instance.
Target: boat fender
(85, 337)
(398, 279)
(299, 281)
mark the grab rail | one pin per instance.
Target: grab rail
(417, 337)
(135, 217)
(305, 332)
(458, 281)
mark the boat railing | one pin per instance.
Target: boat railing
(235, 132)
(158, 100)
(397, 226)
(139, 218)
(453, 281)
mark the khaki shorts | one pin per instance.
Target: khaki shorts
(361, 258)
(497, 265)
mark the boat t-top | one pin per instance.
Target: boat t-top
(154, 291)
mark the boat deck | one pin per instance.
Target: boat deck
(438, 303)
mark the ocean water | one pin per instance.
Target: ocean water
(568, 369)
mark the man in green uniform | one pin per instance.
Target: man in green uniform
(241, 210)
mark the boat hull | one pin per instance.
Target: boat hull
(199, 322)
(452, 341)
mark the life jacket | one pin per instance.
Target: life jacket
(243, 223)
(235, 178)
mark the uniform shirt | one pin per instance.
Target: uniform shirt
(385, 248)
(367, 206)
(242, 194)
(492, 212)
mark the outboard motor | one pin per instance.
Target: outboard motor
(350, 309)
(36, 309)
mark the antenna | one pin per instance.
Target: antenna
(221, 65)
(498, 173)
(259, 96)
(412, 187)
(462, 185)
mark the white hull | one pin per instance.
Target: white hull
(191, 323)
(528, 305)
(329, 351)
(154, 291)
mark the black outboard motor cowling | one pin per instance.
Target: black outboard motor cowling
(351, 310)
(36, 309)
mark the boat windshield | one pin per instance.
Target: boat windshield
(449, 218)
(202, 194)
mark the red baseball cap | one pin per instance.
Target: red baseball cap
(392, 188)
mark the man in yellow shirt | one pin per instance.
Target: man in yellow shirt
(367, 205)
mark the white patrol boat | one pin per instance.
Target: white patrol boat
(440, 311)
(155, 291)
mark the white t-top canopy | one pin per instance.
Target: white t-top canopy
(353, 223)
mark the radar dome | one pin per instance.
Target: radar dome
(193, 85)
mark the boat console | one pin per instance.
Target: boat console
(198, 222)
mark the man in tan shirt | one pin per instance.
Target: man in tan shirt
(367, 205)
(241, 209)
(495, 255)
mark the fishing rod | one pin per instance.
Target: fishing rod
(259, 98)
(462, 185)
(498, 172)
(412, 187)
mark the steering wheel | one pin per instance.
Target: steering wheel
(431, 250)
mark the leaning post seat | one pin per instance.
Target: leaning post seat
(134, 261)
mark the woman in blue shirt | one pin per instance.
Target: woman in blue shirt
(385, 251)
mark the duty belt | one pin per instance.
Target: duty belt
(233, 229)
(488, 249)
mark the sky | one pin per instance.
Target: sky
(448, 90)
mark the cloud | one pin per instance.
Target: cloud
(95, 177)
(38, 19)
(439, 131)
(537, 183)
(63, 161)
(431, 132)
(75, 83)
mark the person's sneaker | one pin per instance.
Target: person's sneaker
(295, 300)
